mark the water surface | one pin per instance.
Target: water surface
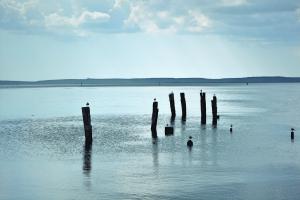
(43, 155)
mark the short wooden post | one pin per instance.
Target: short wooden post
(214, 110)
(292, 134)
(172, 105)
(87, 124)
(183, 106)
(203, 107)
(169, 130)
(154, 119)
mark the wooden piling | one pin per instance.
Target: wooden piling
(169, 130)
(203, 107)
(154, 119)
(87, 124)
(183, 106)
(214, 110)
(172, 105)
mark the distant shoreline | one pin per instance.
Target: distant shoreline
(143, 82)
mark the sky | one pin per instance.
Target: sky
(41, 39)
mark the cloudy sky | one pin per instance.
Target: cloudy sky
(41, 39)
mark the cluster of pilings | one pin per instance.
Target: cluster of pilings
(169, 129)
(86, 116)
(172, 106)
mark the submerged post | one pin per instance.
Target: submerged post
(292, 134)
(172, 105)
(87, 123)
(214, 110)
(154, 119)
(183, 106)
(169, 130)
(203, 107)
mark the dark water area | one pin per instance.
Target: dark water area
(43, 154)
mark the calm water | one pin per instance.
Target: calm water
(42, 152)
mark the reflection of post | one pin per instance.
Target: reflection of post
(214, 147)
(155, 158)
(214, 110)
(155, 154)
(183, 106)
(203, 107)
(87, 158)
(172, 105)
(204, 148)
(154, 119)
(87, 123)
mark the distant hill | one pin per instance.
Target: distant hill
(146, 81)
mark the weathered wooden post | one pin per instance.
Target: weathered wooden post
(87, 123)
(203, 107)
(172, 105)
(214, 110)
(154, 119)
(183, 106)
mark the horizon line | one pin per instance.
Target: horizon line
(136, 78)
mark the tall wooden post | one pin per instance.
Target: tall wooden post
(183, 106)
(203, 107)
(214, 110)
(172, 105)
(154, 119)
(87, 124)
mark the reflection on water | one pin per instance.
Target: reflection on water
(172, 121)
(190, 152)
(183, 124)
(155, 156)
(87, 164)
(87, 159)
(214, 147)
(203, 143)
(248, 164)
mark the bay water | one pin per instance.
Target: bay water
(43, 155)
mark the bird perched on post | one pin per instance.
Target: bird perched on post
(87, 104)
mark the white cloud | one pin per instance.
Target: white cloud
(118, 4)
(56, 19)
(198, 22)
(146, 19)
(20, 8)
(142, 18)
(234, 2)
(78, 17)
(163, 14)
